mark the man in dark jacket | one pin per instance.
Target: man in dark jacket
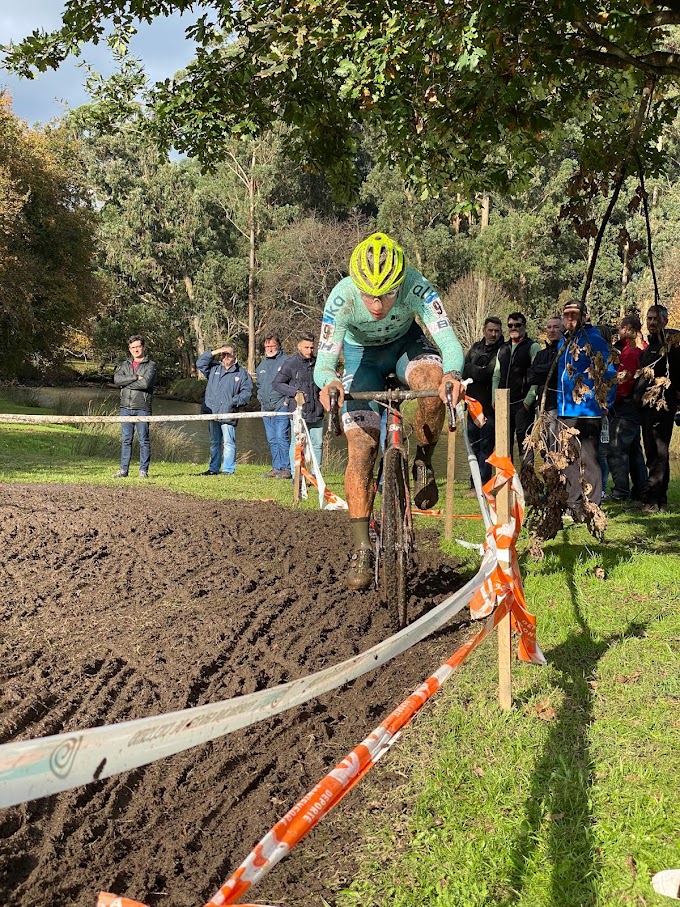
(229, 387)
(276, 428)
(480, 362)
(538, 373)
(297, 374)
(136, 378)
(660, 362)
(512, 366)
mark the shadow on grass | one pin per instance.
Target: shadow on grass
(557, 829)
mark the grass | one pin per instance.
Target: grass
(569, 800)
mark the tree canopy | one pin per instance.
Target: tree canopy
(467, 95)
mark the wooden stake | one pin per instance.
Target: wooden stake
(450, 476)
(503, 511)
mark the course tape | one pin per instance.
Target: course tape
(25, 419)
(47, 765)
(508, 597)
(308, 812)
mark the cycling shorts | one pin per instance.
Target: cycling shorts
(367, 367)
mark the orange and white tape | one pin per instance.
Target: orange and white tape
(309, 811)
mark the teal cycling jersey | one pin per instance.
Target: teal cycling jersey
(347, 320)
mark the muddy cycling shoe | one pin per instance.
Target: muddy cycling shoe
(425, 491)
(361, 573)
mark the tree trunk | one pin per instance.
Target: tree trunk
(625, 277)
(197, 322)
(481, 286)
(252, 267)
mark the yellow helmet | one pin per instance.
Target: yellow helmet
(377, 265)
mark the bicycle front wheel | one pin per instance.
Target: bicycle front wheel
(395, 535)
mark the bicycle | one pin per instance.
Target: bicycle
(394, 535)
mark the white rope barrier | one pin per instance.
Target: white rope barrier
(24, 418)
(47, 765)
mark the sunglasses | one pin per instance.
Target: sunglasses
(515, 324)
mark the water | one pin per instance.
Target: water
(250, 438)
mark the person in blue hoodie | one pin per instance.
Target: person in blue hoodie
(577, 401)
(229, 387)
(276, 428)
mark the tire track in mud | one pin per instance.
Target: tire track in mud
(121, 603)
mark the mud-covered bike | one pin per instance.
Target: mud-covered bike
(392, 522)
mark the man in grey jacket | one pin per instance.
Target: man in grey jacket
(136, 378)
(276, 428)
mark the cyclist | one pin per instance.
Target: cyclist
(370, 317)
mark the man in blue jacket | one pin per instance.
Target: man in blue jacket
(580, 398)
(276, 428)
(229, 387)
(297, 374)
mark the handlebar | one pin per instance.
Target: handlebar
(450, 408)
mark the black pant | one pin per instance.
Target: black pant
(482, 442)
(657, 428)
(586, 446)
(521, 420)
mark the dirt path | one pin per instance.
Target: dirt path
(118, 603)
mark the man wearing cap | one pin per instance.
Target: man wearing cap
(229, 387)
(578, 402)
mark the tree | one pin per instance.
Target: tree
(465, 95)
(47, 255)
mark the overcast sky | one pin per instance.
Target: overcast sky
(161, 46)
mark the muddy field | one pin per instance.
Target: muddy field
(119, 603)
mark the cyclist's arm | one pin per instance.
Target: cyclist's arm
(333, 328)
(431, 311)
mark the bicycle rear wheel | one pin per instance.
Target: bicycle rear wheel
(395, 535)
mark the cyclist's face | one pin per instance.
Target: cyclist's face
(379, 306)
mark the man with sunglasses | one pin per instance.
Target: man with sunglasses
(229, 387)
(370, 317)
(513, 362)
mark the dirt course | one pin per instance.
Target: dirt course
(117, 603)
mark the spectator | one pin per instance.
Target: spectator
(540, 370)
(229, 387)
(578, 405)
(136, 378)
(512, 367)
(607, 333)
(659, 401)
(625, 418)
(479, 366)
(297, 374)
(276, 428)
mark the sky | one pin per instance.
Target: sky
(161, 46)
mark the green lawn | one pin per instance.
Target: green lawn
(571, 799)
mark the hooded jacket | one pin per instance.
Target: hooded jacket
(571, 368)
(297, 374)
(227, 389)
(266, 371)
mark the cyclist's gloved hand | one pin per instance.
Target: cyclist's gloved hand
(457, 390)
(324, 395)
